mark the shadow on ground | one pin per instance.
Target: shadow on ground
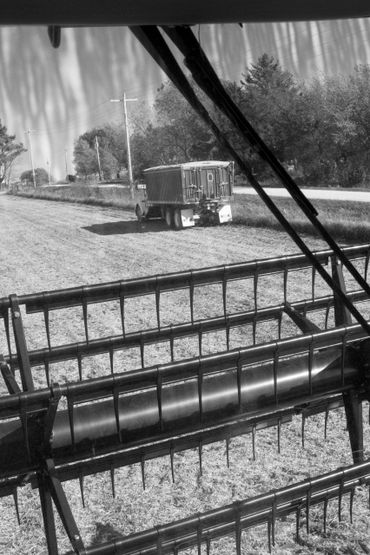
(105, 533)
(129, 226)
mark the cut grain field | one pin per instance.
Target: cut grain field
(47, 245)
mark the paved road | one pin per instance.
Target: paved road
(330, 194)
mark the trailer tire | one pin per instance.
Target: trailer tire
(169, 216)
(139, 213)
(177, 221)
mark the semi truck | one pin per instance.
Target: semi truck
(184, 195)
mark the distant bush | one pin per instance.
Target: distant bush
(41, 177)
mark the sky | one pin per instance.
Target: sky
(48, 97)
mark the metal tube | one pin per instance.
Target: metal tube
(94, 425)
(147, 377)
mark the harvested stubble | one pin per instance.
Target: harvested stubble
(162, 501)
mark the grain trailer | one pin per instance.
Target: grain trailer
(188, 194)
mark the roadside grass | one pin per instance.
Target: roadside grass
(84, 194)
(345, 221)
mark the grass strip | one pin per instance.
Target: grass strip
(346, 221)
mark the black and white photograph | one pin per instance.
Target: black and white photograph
(185, 280)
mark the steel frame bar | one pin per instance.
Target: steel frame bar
(241, 515)
(112, 14)
(170, 333)
(297, 311)
(53, 490)
(75, 296)
(351, 400)
(21, 345)
(41, 427)
(212, 391)
(9, 377)
(129, 381)
(168, 446)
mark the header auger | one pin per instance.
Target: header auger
(316, 360)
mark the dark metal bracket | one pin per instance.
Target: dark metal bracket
(341, 313)
(8, 377)
(206, 78)
(21, 345)
(50, 489)
(351, 399)
(304, 323)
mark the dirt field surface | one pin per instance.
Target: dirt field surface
(47, 245)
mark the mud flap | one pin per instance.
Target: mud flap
(224, 214)
(187, 217)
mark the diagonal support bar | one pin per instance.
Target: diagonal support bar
(341, 313)
(153, 41)
(8, 376)
(352, 402)
(301, 321)
(353, 408)
(53, 488)
(47, 514)
(21, 345)
(207, 79)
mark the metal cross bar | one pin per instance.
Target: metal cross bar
(74, 296)
(180, 397)
(139, 339)
(168, 446)
(232, 519)
(96, 388)
(296, 311)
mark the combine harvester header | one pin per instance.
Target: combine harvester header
(67, 431)
(53, 432)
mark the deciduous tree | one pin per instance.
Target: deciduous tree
(41, 176)
(9, 151)
(112, 151)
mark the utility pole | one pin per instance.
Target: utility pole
(28, 132)
(49, 172)
(97, 155)
(65, 161)
(124, 101)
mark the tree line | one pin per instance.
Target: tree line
(320, 130)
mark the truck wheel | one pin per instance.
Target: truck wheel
(169, 216)
(177, 221)
(139, 213)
